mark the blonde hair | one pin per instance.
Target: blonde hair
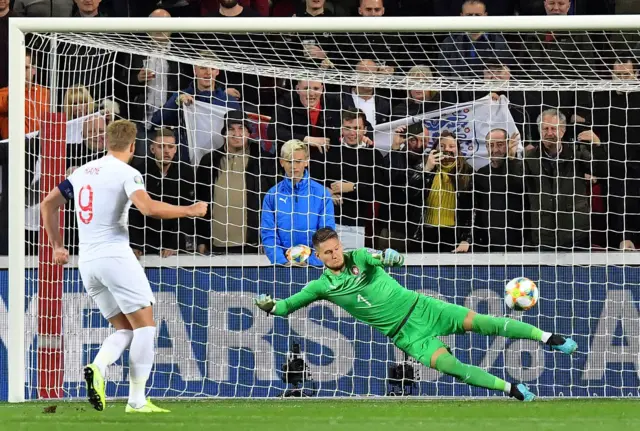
(422, 72)
(291, 146)
(76, 95)
(206, 58)
(120, 135)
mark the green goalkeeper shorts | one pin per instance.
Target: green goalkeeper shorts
(431, 318)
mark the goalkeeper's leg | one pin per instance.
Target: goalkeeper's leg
(511, 328)
(419, 339)
(446, 363)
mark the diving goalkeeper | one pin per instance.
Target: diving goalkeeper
(357, 282)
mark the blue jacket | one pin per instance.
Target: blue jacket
(170, 114)
(292, 214)
(461, 56)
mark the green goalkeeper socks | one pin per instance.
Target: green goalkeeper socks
(448, 364)
(506, 327)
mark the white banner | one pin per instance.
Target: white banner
(204, 122)
(469, 121)
(74, 130)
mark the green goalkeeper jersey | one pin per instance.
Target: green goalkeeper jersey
(363, 289)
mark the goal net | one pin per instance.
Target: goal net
(481, 152)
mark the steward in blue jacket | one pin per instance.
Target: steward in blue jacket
(291, 213)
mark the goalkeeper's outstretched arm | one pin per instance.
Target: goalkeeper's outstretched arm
(311, 293)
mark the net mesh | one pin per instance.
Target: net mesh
(213, 113)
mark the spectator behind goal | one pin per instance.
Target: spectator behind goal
(375, 106)
(397, 210)
(615, 118)
(78, 102)
(419, 100)
(444, 187)
(203, 89)
(463, 55)
(311, 115)
(43, 8)
(559, 54)
(499, 196)
(36, 103)
(167, 180)
(146, 82)
(557, 177)
(233, 181)
(85, 64)
(294, 208)
(353, 176)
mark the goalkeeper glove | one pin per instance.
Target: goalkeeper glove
(265, 303)
(390, 257)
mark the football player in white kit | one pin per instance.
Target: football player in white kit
(103, 191)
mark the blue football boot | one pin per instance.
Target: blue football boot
(521, 392)
(568, 347)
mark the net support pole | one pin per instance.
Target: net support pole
(53, 72)
(50, 276)
(16, 187)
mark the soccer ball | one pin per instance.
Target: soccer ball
(298, 254)
(521, 294)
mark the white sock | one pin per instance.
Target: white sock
(507, 388)
(141, 354)
(112, 349)
(546, 336)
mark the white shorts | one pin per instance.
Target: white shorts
(116, 284)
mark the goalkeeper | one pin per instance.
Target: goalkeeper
(357, 282)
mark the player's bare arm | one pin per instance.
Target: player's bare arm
(157, 209)
(50, 210)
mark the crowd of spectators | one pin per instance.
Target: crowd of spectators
(568, 179)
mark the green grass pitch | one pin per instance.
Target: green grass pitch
(333, 415)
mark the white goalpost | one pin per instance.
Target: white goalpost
(212, 341)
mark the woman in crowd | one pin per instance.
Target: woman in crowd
(444, 184)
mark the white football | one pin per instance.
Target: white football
(521, 294)
(298, 253)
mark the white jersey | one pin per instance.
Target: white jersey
(101, 191)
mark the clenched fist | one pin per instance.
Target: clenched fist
(199, 209)
(60, 256)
